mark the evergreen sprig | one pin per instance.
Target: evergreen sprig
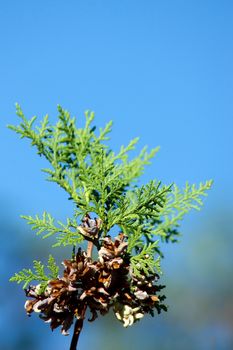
(66, 235)
(38, 274)
(177, 205)
(102, 183)
(144, 262)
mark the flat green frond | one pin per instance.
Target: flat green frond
(135, 168)
(103, 132)
(44, 130)
(26, 276)
(80, 162)
(89, 118)
(144, 202)
(135, 238)
(123, 153)
(69, 234)
(68, 238)
(177, 205)
(52, 267)
(144, 262)
(45, 225)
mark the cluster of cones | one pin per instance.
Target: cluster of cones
(100, 285)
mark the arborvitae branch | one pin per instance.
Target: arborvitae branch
(67, 234)
(177, 205)
(101, 183)
(26, 276)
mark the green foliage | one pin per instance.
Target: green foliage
(26, 276)
(144, 263)
(103, 182)
(46, 226)
(177, 205)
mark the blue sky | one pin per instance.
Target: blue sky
(161, 70)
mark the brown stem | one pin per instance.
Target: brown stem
(79, 322)
(77, 329)
(94, 240)
(90, 246)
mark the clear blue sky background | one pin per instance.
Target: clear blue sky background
(162, 70)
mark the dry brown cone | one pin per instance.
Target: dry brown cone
(99, 285)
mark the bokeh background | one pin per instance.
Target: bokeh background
(162, 70)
